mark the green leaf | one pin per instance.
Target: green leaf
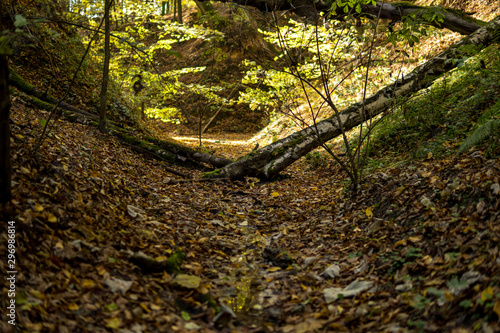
(185, 315)
(455, 283)
(434, 291)
(465, 303)
(4, 46)
(20, 21)
(43, 122)
(111, 307)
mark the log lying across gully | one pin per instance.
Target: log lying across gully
(163, 150)
(191, 154)
(268, 161)
(453, 20)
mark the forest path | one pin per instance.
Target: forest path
(229, 145)
(415, 238)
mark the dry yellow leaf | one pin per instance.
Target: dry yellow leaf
(401, 242)
(38, 207)
(496, 308)
(275, 194)
(145, 307)
(113, 322)
(369, 212)
(51, 218)
(73, 307)
(487, 294)
(415, 239)
(88, 283)
(274, 269)
(188, 281)
(155, 307)
(101, 270)
(37, 294)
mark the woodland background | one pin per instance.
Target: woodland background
(162, 171)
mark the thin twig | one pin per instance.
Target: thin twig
(42, 135)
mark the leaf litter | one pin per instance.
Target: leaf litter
(416, 250)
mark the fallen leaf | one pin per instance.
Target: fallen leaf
(487, 294)
(332, 271)
(134, 211)
(496, 308)
(353, 289)
(116, 284)
(369, 212)
(88, 284)
(188, 281)
(51, 218)
(113, 322)
(73, 307)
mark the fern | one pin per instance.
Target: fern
(484, 131)
(488, 125)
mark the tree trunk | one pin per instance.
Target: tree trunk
(174, 18)
(268, 161)
(310, 9)
(5, 166)
(185, 153)
(105, 71)
(179, 11)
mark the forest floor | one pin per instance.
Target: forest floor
(417, 249)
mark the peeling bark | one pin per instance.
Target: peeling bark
(309, 9)
(268, 161)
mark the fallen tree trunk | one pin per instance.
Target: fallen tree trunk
(18, 82)
(164, 150)
(453, 20)
(268, 161)
(191, 154)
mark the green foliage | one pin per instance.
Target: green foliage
(348, 5)
(441, 117)
(214, 19)
(316, 159)
(413, 253)
(487, 127)
(420, 302)
(305, 48)
(6, 35)
(414, 26)
(4, 46)
(174, 262)
(136, 46)
(271, 87)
